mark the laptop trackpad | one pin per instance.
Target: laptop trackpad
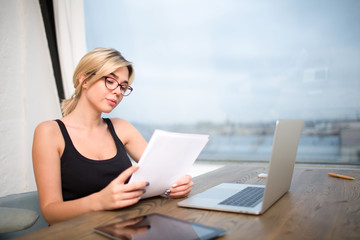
(221, 191)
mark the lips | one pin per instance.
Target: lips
(112, 102)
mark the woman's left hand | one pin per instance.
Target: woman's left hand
(180, 188)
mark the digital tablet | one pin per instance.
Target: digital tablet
(158, 226)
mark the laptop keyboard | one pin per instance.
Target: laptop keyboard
(248, 197)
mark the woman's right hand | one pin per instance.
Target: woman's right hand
(118, 194)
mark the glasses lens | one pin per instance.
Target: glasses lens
(125, 90)
(110, 83)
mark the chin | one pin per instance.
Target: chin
(109, 110)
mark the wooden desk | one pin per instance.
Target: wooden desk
(316, 207)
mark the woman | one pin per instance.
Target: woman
(80, 161)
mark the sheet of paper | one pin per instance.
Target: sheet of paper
(167, 158)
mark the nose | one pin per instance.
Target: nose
(117, 90)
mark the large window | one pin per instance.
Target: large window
(231, 68)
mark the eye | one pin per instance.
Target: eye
(109, 80)
(124, 87)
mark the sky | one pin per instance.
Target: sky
(243, 61)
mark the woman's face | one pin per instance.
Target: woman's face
(102, 98)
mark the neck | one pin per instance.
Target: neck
(84, 117)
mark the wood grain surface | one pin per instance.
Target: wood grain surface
(317, 206)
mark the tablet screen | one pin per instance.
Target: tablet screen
(157, 226)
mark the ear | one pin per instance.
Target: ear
(82, 80)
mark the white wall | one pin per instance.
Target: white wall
(28, 94)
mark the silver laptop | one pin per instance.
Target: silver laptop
(256, 199)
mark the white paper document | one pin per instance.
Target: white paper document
(168, 157)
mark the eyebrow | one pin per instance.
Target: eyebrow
(114, 75)
(117, 78)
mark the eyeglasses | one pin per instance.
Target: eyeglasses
(112, 84)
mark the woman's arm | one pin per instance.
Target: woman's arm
(48, 145)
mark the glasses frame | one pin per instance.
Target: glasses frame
(121, 85)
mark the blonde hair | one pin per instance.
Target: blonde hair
(95, 65)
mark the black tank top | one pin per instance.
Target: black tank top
(81, 176)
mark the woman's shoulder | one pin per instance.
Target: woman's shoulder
(47, 127)
(119, 122)
(122, 126)
(47, 135)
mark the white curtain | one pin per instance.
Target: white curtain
(28, 93)
(70, 33)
